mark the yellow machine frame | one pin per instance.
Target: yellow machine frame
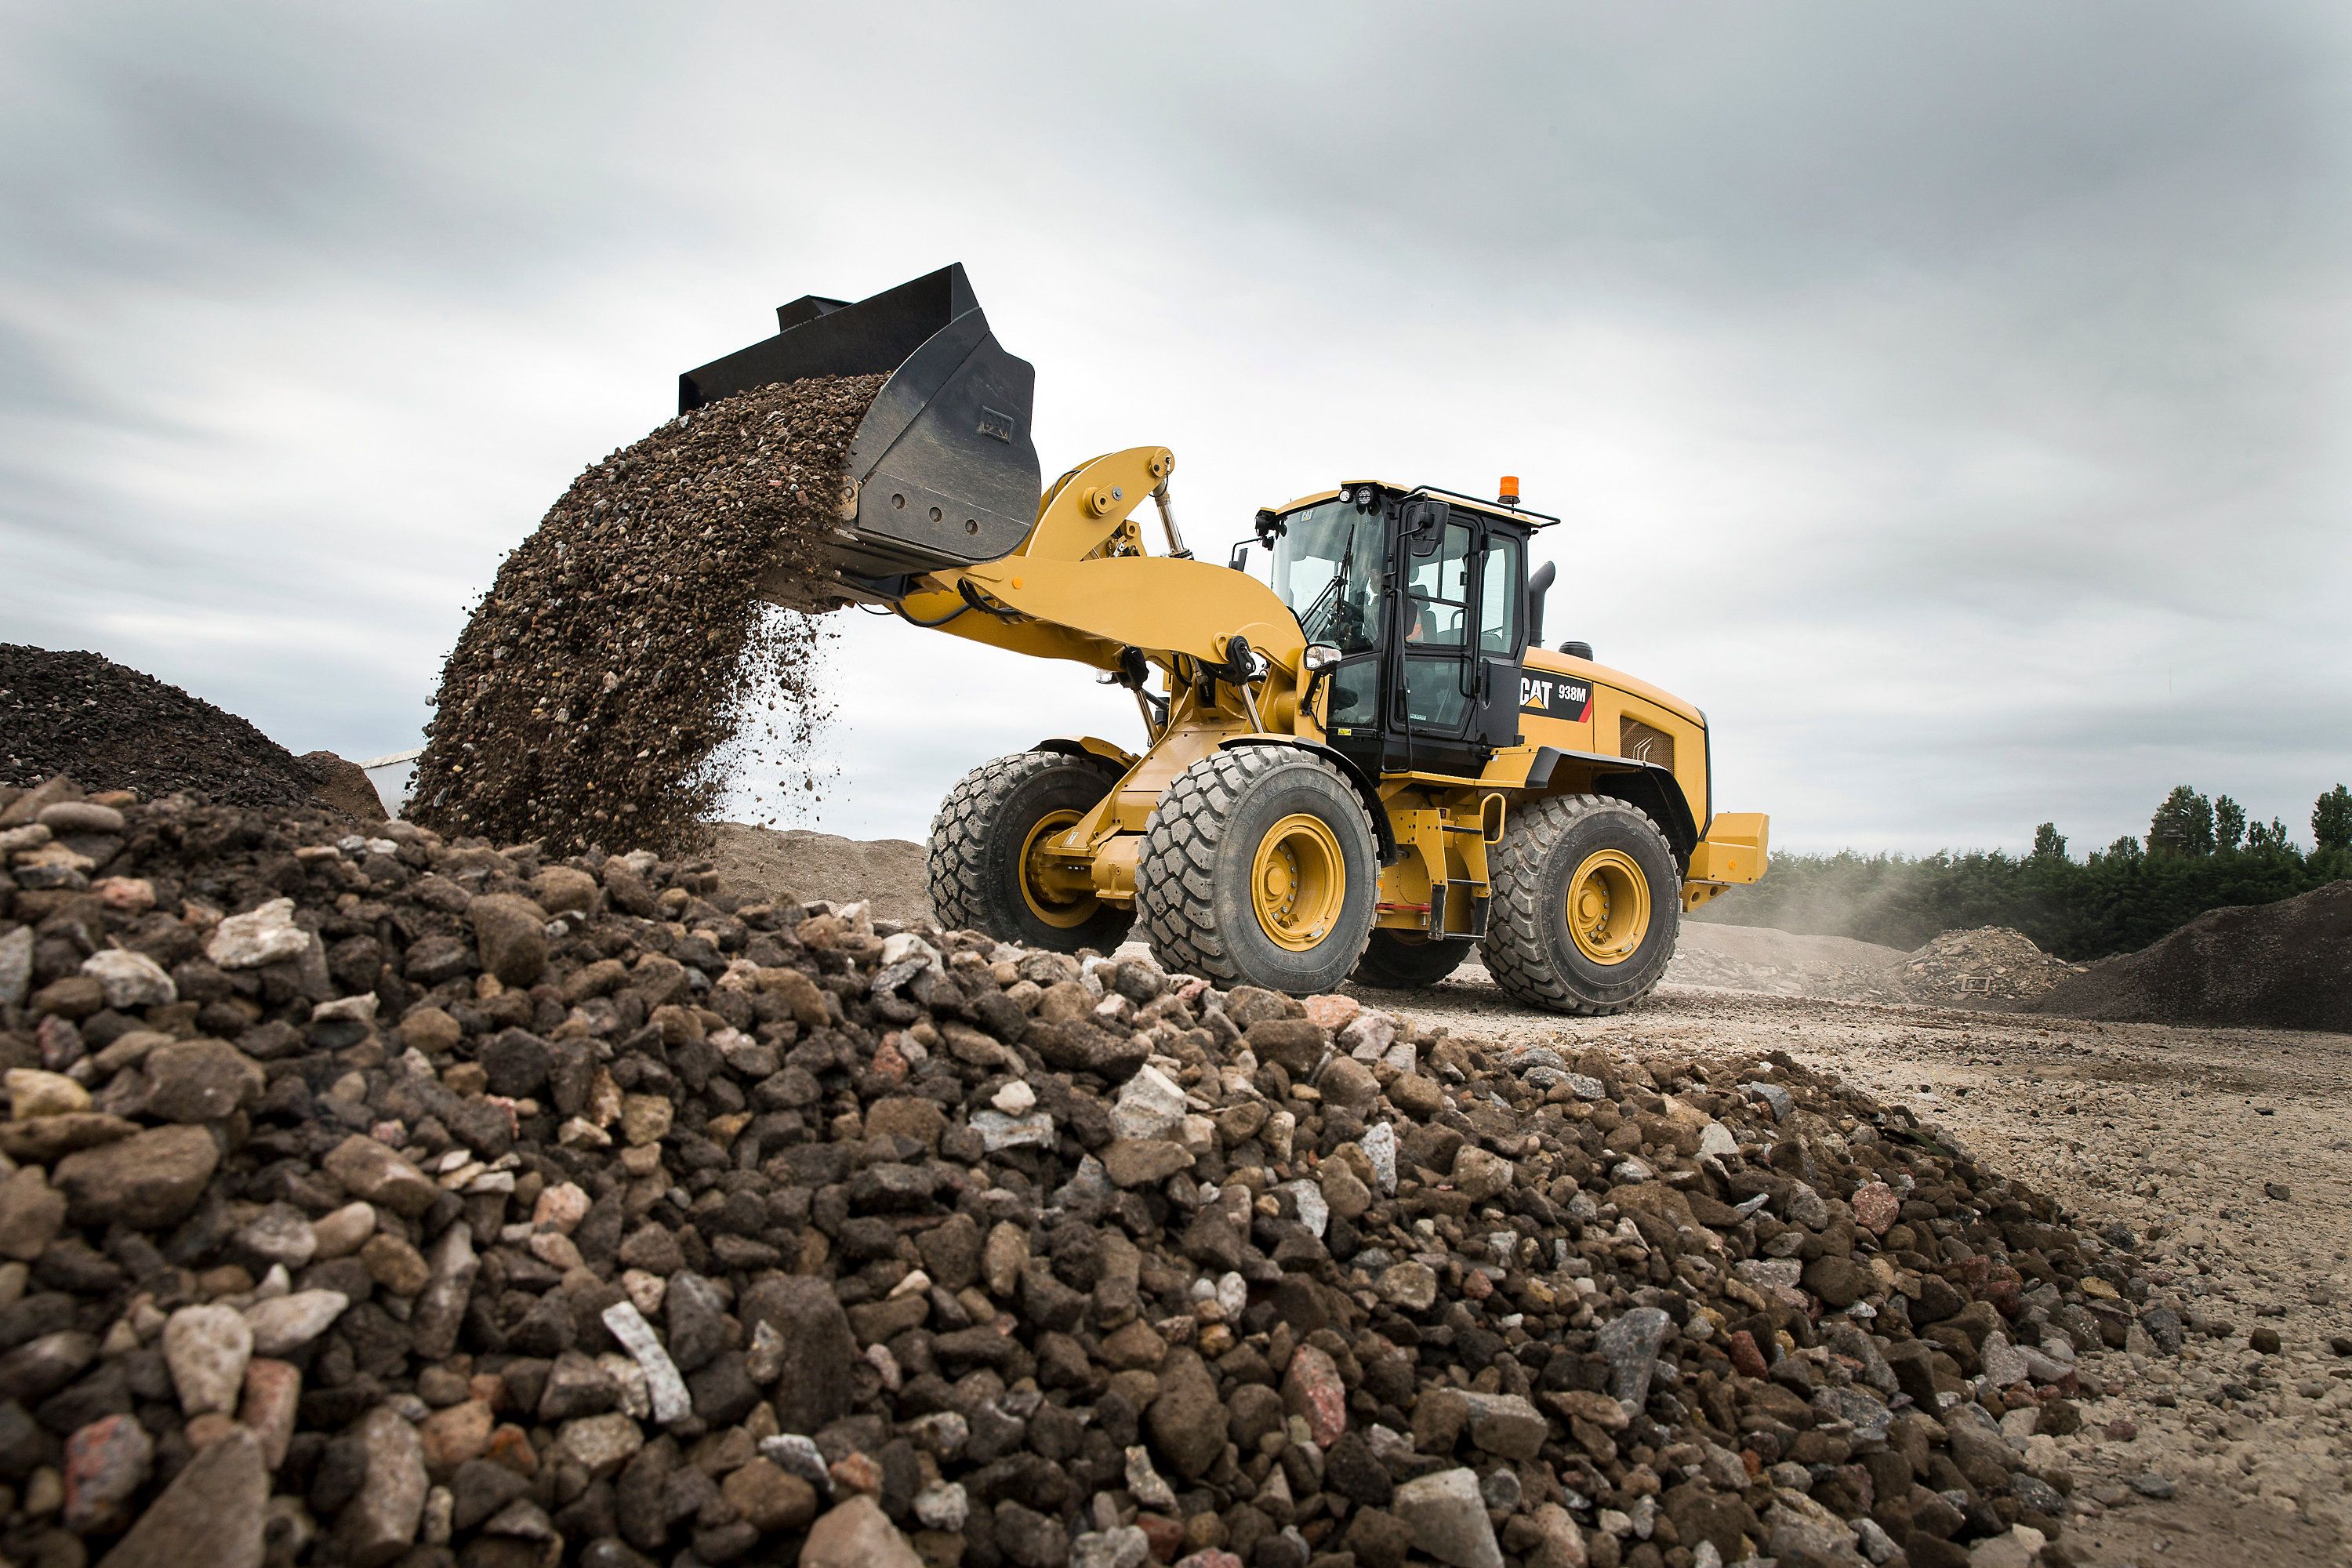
(1080, 586)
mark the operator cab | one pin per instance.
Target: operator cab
(1415, 607)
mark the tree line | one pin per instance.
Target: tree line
(2199, 853)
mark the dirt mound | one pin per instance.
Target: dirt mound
(1991, 966)
(1784, 964)
(2286, 965)
(110, 727)
(796, 866)
(377, 1198)
(592, 696)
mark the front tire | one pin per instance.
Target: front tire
(984, 865)
(1587, 905)
(1259, 868)
(1392, 962)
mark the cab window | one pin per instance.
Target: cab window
(1438, 593)
(1500, 600)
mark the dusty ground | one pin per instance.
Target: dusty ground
(799, 865)
(2172, 1132)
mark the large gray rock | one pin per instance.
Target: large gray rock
(209, 1517)
(379, 1521)
(1446, 1515)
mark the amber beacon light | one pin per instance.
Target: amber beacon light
(1510, 494)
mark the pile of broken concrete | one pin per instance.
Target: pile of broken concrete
(374, 1199)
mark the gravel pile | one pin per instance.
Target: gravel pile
(1991, 966)
(2277, 966)
(84, 715)
(377, 1198)
(594, 695)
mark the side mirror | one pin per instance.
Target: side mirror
(1240, 559)
(1423, 523)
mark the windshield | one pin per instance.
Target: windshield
(1327, 569)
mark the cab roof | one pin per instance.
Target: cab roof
(1452, 497)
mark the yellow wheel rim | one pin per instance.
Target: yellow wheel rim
(1297, 881)
(1609, 906)
(1060, 912)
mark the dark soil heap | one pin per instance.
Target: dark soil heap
(380, 1199)
(2286, 965)
(82, 714)
(591, 695)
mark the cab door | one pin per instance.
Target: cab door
(1501, 635)
(1456, 664)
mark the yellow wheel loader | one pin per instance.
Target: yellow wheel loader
(1362, 766)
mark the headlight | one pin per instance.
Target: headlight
(1321, 655)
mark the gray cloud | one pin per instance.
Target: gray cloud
(1948, 401)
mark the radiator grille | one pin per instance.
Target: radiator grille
(1644, 743)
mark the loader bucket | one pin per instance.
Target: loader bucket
(941, 471)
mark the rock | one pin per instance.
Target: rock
(207, 1349)
(30, 1214)
(671, 1402)
(367, 1170)
(1417, 1095)
(768, 1498)
(130, 980)
(1507, 1424)
(812, 1387)
(1875, 1206)
(510, 937)
(857, 1534)
(380, 1520)
(565, 889)
(279, 1235)
(1187, 1421)
(211, 1516)
(1137, 1162)
(599, 1444)
(1311, 1389)
(449, 1282)
(1479, 1175)
(264, 935)
(1349, 1082)
(16, 966)
(1412, 1286)
(200, 1080)
(284, 1324)
(1630, 1344)
(146, 1181)
(1343, 1192)
(106, 1463)
(1149, 1106)
(32, 1092)
(998, 1131)
(1840, 1283)
(1380, 1146)
(1296, 1044)
(1447, 1516)
(1125, 1547)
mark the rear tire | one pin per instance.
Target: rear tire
(1258, 867)
(1393, 962)
(980, 849)
(1611, 859)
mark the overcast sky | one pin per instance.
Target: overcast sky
(1951, 400)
